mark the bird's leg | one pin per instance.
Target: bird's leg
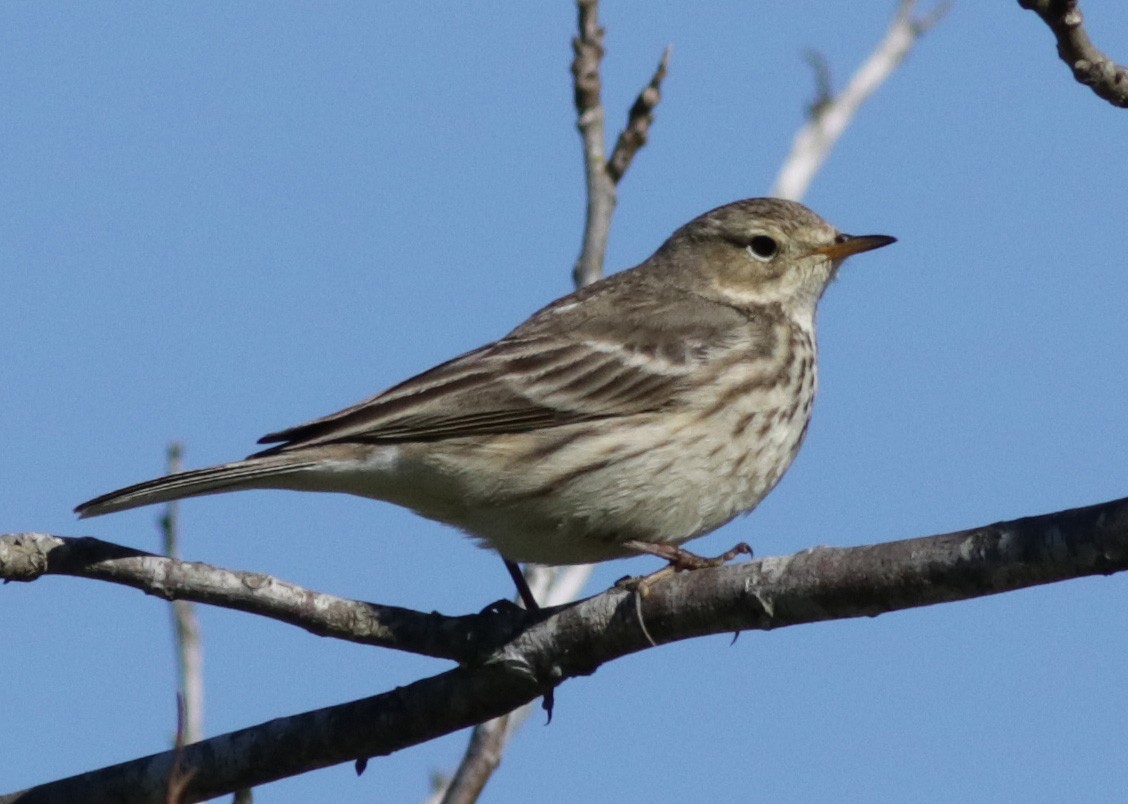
(523, 590)
(526, 595)
(681, 559)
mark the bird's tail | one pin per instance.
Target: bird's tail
(262, 472)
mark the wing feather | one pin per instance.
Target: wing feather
(568, 363)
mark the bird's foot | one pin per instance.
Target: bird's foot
(679, 560)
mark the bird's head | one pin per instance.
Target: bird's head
(761, 251)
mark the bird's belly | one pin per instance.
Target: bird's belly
(557, 498)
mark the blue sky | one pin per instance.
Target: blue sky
(216, 221)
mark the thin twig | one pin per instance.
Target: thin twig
(639, 120)
(185, 627)
(815, 585)
(1089, 64)
(588, 49)
(178, 775)
(600, 173)
(824, 94)
(481, 758)
(829, 116)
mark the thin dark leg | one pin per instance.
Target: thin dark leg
(531, 604)
(522, 587)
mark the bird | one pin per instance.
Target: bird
(628, 417)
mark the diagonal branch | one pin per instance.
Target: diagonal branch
(1089, 64)
(811, 586)
(831, 114)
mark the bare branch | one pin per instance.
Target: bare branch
(185, 628)
(588, 49)
(830, 115)
(483, 755)
(639, 119)
(290, 746)
(1090, 65)
(811, 586)
(824, 94)
(602, 174)
(27, 556)
(178, 776)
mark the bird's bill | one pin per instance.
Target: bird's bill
(849, 245)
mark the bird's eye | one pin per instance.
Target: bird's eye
(763, 247)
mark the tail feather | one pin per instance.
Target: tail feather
(247, 474)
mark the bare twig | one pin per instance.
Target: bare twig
(830, 115)
(639, 120)
(482, 756)
(1090, 65)
(602, 174)
(27, 556)
(185, 627)
(178, 775)
(824, 93)
(589, 52)
(588, 49)
(812, 586)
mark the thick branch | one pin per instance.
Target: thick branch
(1090, 65)
(27, 556)
(290, 746)
(815, 585)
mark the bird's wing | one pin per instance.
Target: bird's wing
(570, 362)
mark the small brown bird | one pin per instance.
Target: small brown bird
(639, 412)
